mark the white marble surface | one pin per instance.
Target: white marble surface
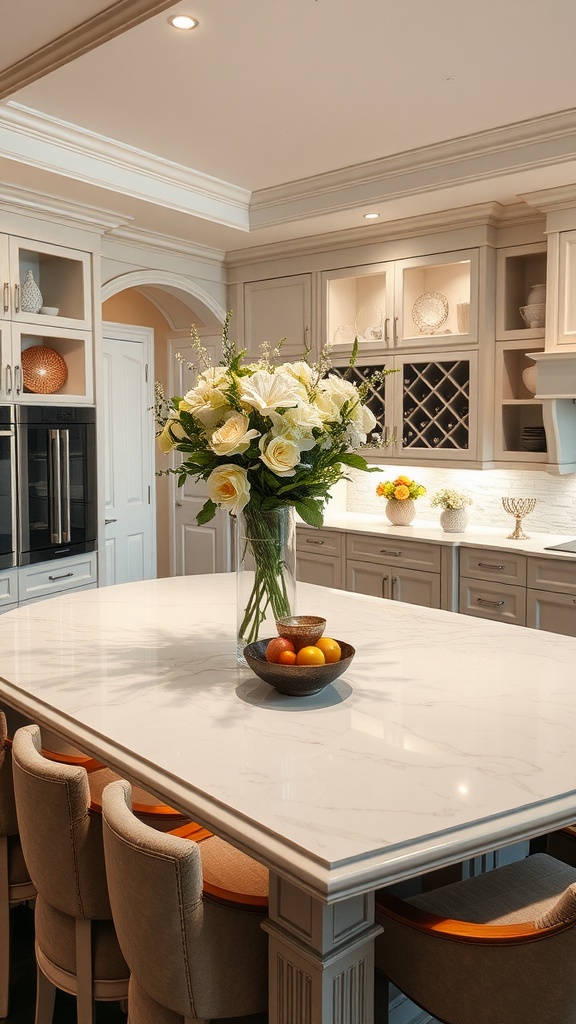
(488, 537)
(449, 735)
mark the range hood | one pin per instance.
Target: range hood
(556, 389)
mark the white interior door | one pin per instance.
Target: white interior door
(196, 549)
(130, 536)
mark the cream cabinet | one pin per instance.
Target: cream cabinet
(519, 431)
(400, 570)
(276, 309)
(46, 579)
(412, 303)
(551, 595)
(8, 589)
(492, 584)
(563, 299)
(63, 330)
(320, 556)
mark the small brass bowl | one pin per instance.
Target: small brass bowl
(302, 630)
(296, 680)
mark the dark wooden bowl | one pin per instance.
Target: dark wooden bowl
(296, 680)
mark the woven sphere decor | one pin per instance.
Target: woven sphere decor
(43, 369)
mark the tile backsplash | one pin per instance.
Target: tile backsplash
(555, 510)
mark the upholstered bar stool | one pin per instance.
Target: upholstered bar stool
(15, 884)
(499, 947)
(191, 957)
(76, 945)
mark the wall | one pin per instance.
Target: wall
(129, 307)
(555, 510)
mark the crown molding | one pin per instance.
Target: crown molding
(48, 143)
(59, 211)
(155, 242)
(548, 200)
(107, 24)
(522, 146)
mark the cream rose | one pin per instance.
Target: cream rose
(233, 436)
(280, 455)
(266, 391)
(205, 403)
(228, 486)
(166, 440)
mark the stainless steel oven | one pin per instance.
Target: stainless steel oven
(57, 482)
(7, 488)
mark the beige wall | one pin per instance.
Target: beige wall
(129, 307)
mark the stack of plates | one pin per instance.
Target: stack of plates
(533, 439)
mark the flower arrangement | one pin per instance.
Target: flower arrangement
(401, 489)
(450, 499)
(265, 437)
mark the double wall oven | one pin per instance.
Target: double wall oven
(47, 483)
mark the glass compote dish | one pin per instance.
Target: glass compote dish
(519, 508)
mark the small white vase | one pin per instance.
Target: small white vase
(31, 300)
(454, 520)
(400, 513)
(537, 293)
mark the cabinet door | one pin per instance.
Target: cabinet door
(501, 602)
(553, 612)
(8, 589)
(394, 582)
(10, 379)
(276, 309)
(566, 298)
(63, 277)
(358, 301)
(6, 298)
(324, 570)
(437, 297)
(69, 351)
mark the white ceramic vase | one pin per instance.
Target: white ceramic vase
(31, 299)
(537, 293)
(400, 513)
(454, 520)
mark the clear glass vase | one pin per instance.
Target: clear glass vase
(265, 573)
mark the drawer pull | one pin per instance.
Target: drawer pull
(63, 577)
(384, 551)
(490, 604)
(318, 542)
(489, 565)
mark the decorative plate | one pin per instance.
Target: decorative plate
(430, 311)
(43, 369)
(369, 323)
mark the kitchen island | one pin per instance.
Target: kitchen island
(448, 736)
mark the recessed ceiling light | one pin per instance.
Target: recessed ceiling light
(182, 21)
(371, 216)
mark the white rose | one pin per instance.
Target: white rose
(297, 423)
(337, 391)
(165, 439)
(228, 486)
(266, 391)
(280, 455)
(206, 403)
(233, 437)
(300, 370)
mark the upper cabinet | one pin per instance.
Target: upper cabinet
(278, 309)
(45, 323)
(424, 302)
(521, 293)
(565, 312)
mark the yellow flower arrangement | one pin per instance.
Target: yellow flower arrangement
(402, 489)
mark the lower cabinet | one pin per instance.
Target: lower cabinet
(551, 595)
(403, 570)
(38, 582)
(319, 557)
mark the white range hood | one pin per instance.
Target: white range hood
(556, 389)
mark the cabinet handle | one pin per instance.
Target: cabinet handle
(18, 379)
(8, 380)
(395, 329)
(384, 551)
(108, 521)
(384, 582)
(318, 542)
(386, 330)
(488, 565)
(490, 604)
(63, 577)
(394, 582)
(16, 298)
(6, 296)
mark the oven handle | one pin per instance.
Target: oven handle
(59, 470)
(65, 480)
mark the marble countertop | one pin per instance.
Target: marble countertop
(448, 736)
(473, 536)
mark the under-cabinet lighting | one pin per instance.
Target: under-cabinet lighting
(182, 21)
(371, 216)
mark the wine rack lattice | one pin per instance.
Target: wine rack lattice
(435, 405)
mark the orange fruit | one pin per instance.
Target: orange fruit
(287, 658)
(330, 649)
(310, 656)
(276, 647)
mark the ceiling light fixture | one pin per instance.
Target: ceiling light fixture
(183, 22)
(371, 216)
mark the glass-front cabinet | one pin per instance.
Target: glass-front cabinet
(413, 303)
(44, 284)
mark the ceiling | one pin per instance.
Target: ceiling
(276, 120)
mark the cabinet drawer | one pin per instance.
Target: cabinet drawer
(486, 564)
(553, 612)
(43, 580)
(387, 550)
(502, 603)
(326, 542)
(8, 588)
(554, 574)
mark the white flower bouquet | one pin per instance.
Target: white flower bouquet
(265, 437)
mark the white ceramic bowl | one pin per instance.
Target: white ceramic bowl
(50, 310)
